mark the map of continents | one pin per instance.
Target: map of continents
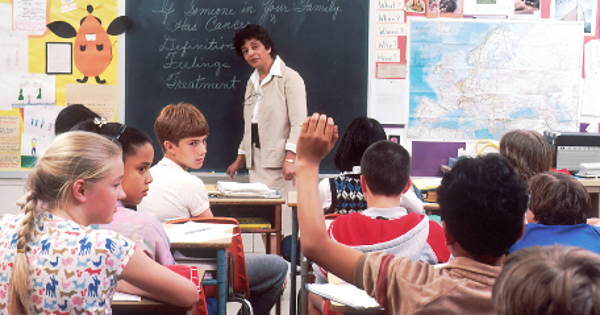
(480, 79)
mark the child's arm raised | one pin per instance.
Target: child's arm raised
(317, 138)
(146, 277)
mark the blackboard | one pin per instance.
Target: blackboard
(181, 51)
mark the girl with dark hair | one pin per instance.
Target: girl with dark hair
(138, 153)
(343, 193)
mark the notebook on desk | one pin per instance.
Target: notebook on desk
(344, 293)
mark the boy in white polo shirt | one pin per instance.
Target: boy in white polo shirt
(181, 131)
(175, 193)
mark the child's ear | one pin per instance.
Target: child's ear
(522, 232)
(408, 186)
(79, 190)
(363, 185)
(169, 146)
(449, 238)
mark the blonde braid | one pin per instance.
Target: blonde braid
(19, 283)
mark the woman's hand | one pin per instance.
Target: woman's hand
(289, 167)
(236, 165)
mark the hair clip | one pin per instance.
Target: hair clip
(100, 121)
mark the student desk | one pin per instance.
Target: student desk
(592, 185)
(267, 208)
(221, 246)
(146, 306)
(149, 306)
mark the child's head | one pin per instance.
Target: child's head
(558, 199)
(549, 280)
(71, 116)
(483, 203)
(79, 175)
(385, 167)
(360, 134)
(181, 131)
(138, 154)
(527, 151)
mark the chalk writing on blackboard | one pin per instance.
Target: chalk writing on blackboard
(185, 55)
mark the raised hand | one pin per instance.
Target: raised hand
(317, 138)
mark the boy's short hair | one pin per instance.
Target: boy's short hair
(483, 203)
(176, 122)
(558, 199)
(548, 280)
(385, 165)
(253, 31)
(527, 151)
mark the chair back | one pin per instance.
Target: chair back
(240, 278)
(191, 273)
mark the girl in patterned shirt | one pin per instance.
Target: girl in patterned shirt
(51, 260)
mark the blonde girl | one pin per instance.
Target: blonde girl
(51, 260)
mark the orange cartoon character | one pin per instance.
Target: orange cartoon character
(93, 49)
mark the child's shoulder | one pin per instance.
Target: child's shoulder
(167, 171)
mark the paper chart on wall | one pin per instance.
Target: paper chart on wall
(39, 120)
(29, 16)
(32, 146)
(102, 99)
(10, 129)
(591, 96)
(32, 89)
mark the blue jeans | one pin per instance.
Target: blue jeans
(266, 275)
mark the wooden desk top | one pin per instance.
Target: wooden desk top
(224, 201)
(292, 199)
(589, 182)
(218, 243)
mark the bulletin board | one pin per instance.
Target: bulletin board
(450, 74)
(44, 70)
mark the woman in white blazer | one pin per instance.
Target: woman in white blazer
(274, 109)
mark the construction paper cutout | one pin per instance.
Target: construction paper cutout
(93, 48)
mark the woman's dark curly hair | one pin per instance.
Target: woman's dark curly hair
(253, 31)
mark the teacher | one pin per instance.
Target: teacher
(274, 109)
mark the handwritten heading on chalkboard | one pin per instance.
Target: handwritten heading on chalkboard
(182, 50)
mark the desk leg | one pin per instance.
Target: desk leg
(293, 264)
(278, 230)
(303, 291)
(222, 281)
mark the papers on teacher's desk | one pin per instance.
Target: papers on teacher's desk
(245, 190)
(344, 293)
(198, 232)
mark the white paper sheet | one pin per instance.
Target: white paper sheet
(591, 90)
(389, 102)
(29, 16)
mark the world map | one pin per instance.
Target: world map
(479, 79)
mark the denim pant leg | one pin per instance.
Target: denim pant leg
(266, 274)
